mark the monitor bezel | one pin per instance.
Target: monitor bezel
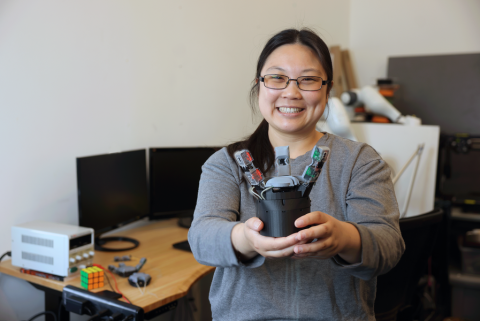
(106, 229)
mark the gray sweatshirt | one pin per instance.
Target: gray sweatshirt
(354, 186)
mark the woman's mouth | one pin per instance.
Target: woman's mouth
(290, 110)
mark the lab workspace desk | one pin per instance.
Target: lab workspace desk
(173, 271)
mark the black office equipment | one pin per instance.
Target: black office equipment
(396, 290)
(81, 302)
(441, 90)
(112, 191)
(459, 171)
(174, 178)
(183, 245)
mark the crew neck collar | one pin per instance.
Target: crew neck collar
(321, 141)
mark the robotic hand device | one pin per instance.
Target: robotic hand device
(283, 198)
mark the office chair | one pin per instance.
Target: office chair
(396, 289)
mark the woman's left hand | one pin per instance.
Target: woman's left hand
(333, 237)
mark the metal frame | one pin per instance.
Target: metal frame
(324, 82)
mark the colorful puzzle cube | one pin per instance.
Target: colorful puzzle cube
(92, 278)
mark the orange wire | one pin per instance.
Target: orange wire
(116, 286)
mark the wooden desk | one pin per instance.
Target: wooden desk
(173, 271)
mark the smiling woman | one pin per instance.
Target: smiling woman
(326, 271)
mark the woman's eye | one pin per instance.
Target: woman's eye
(310, 79)
(277, 78)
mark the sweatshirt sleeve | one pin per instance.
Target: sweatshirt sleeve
(216, 213)
(372, 208)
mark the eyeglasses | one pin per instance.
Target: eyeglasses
(307, 83)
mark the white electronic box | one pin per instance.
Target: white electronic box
(54, 248)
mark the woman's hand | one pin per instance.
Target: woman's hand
(333, 237)
(248, 242)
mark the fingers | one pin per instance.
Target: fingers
(323, 248)
(312, 218)
(285, 252)
(254, 223)
(265, 243)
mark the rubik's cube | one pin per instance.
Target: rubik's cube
(92, 278)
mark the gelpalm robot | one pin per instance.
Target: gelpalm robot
(283, 198)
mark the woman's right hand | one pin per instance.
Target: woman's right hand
(248, 242)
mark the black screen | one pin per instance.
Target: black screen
(112, 189)
(174, 179)
(441, 90)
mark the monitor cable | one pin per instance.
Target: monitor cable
(43, 313)
(9, 253)
(99, 242)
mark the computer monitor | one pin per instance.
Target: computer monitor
(112, 191)
(440, 90)
(174, 175)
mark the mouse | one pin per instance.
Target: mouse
(142, 279)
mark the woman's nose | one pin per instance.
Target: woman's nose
(292, 91)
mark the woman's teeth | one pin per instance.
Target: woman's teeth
(289, 110)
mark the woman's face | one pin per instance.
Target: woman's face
(291, 110)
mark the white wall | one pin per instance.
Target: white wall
(380, 29)
(90, 77)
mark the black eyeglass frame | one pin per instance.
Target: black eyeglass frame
(324, 82)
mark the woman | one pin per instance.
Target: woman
(325, 272)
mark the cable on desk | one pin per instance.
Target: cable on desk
(9, 253)
(88, 310)
(109, 283)
(43, 313)
(116, 286)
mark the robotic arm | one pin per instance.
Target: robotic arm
(337, 120)
(373, 101)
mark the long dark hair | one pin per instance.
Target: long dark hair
(258, 143)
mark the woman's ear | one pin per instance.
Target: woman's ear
(256, 81)
(329, 88)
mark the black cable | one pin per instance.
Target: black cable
(127, 298)
(99, 242)
(88, 310)
(113, 290)
(43, 313)
(108, 280)
(5, 254)
(59, 312)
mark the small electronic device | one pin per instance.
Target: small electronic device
(54, 248)
(184, 245)
(106, 305)
(122, 258)
(139, 279)
(127, 270)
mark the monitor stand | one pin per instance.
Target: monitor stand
(100, 242)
